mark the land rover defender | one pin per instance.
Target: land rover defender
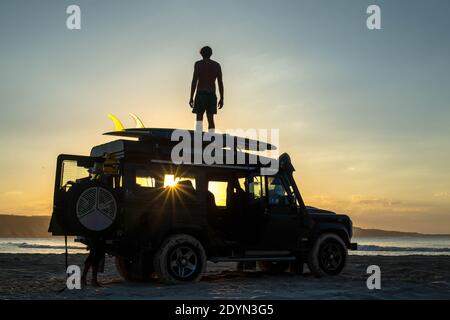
(157, 217)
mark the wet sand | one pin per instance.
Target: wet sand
(41, 276)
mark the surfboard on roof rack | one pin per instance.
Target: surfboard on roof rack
(164, 136)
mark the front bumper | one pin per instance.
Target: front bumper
(353, 246)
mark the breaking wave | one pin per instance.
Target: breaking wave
(401, 249)
(25, 245)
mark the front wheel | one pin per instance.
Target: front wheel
(328, 255)
(181, 258)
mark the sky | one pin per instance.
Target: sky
(364, 114)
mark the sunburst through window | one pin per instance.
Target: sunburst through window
(171, 180)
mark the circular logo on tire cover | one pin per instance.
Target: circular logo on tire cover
(96, 209)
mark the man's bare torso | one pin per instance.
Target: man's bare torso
(207, 71)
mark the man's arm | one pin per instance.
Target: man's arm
(220, 83)
(193, 85)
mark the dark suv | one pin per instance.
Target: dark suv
(160, 217)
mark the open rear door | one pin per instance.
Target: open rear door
(69, 169)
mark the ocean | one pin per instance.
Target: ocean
(392, 246)
(400, 246)
(54, 245)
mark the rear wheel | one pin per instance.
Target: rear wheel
(134, 269)
(328, 255)
(273, 267)
(296, 267)
(181, 258)
(123, 267)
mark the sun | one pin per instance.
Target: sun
(169, 180)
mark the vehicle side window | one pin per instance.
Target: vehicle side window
(293, 196)
(219, 190)
(171, 180)
(277, 192)
(256, 188)
(71, 172)
(242, 183)
(145, 179)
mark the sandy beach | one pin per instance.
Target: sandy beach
(41, 276)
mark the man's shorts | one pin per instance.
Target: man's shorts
(205, 101)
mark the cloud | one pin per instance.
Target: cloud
(380, 202)
(442, 194)
(11, 194)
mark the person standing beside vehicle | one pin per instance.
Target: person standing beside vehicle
(94, 261)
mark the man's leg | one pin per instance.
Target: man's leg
(211, 125)
(199, 122)
(87, 266)
(94, 281)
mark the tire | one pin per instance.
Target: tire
(124, 268)
(92, 208)
(296, 267)
(181, 258)
(328, 255)
(273, 267)
(134, 270)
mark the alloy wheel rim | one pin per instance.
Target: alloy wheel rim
(331, 256)
(183, 262)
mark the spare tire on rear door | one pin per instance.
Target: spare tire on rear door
(92, 208)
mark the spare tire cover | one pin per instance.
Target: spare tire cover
(96, 208)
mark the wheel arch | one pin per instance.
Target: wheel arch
(195, 231)
(334, 228)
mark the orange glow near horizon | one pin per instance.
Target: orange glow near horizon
(368, 136)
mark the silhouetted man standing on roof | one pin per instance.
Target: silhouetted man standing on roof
(206, 71)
